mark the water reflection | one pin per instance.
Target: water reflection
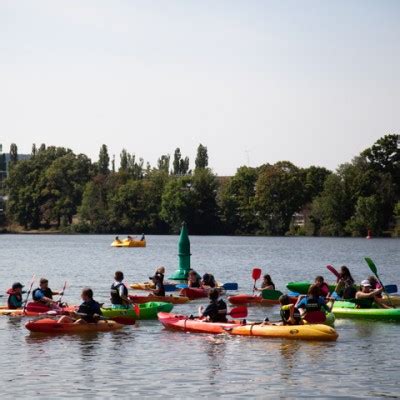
(215, 349)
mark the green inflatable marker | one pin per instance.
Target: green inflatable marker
(182, 272)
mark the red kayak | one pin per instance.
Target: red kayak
(185, 324)
(194, 293)
(248, 299)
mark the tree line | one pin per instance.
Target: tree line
(56, 188)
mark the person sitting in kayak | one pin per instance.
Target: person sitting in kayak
(266, 284)
(289, 313)
(313, 301)
(366, 296)
(88, 312)
(119, 292)
(345, 284)
(158, 280)
(14, 300)
(323, 286)
(194, 279)
(130, 239)
(142, 239)
(208, 281)
(43, 294)
(117, 239)
(216, 311)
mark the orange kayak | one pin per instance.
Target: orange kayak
(47, 325)
(165, 299)
(185, 324)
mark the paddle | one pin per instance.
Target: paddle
(62, 292)
(256, 273)
(238, 312)
(374, 270)
(269, 294)
(391, 288)
(29, 293)
(315, 317)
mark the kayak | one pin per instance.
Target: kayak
(47, 325)
(248, 299)
(394, 299)
(194, 293)
(169, 287)
(185, 324)
(347, 309)
(164, 299)
(303, 286)
(148, 310)
(294, 332)
(34, 309)
(128, 243)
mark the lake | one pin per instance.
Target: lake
(148, 361)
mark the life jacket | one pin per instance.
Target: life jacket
(324, 289)
(312, 305)
(46, 293)
(285, 316)
(364, 303)
(89, 308)
(114, 293)
(17, 297)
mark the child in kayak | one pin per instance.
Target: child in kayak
(323, 286)
(366, 296)
(44, 295)
(15, 296)
(119, 292)
(158, 280)
(313, 301)
(216, 310)
(289, 313)
(345, 284)
(266, 284)
(88, 312)
(208, 281)
(194, 280)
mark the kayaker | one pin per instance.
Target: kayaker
(130, 238)
(43, 294)
(117, 239)
(323, 286)
(289, 313)
(194, 280)
(88, 312)
(208, 281)
(14, 300)
(345, 284)
(119, 292)
(266, 284)
(142, 239)
(313, 301)
(216, 310)
(367, 296)
(158, 280)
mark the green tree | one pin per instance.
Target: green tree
(177, 161)
(163, 163)
(201, 161)
(34, 150)
(279, 194)
(13, 154)
(314, 179)
(104, 160)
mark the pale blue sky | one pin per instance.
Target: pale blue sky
(313, 82)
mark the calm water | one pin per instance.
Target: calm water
(148, 361)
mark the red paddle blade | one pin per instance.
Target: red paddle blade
(315, 317)
(239, 312)
(333, 270)
(137, 310)
(256, 273)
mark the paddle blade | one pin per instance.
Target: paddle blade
(239, 312)
(137, 310)
(371, 265)
(334, 271)
(315, 317)
(182, 286)
(271, 294)
(256, 273)
(170, 287)
(391, 288)
(230, 286)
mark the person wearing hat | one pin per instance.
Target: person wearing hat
(15, 296)
(366, 296)
(43, 294)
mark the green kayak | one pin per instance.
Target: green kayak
(303, 286)
(147, 310)
(347, 309)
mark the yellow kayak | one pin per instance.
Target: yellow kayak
(394, 298)
(293, 332)
(128, 243)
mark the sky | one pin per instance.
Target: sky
(312, 82)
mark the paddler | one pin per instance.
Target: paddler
(88, 312)
(119, 292)
(158, 280)
(323, 286)
(313, 301)
(345, 284)
(15, 296)
(289, 313)
(208, 281)
(194, 279)
(367, 296)
(266, 284)
(43, 294)
(216, 310)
